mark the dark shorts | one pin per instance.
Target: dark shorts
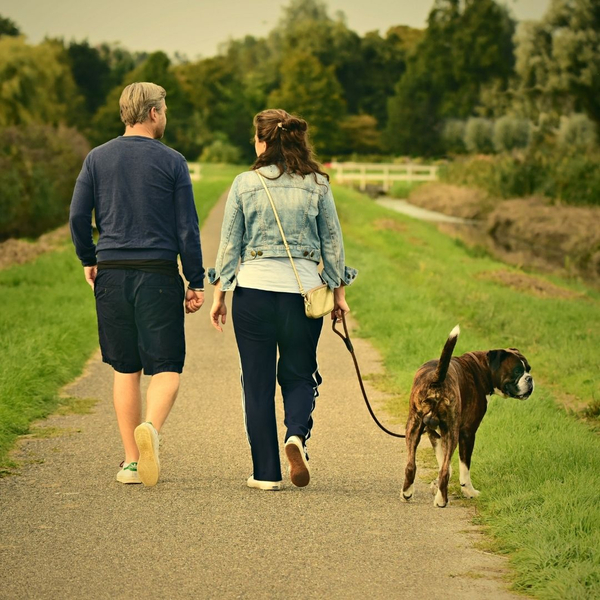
(140, 321)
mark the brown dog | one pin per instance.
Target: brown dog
(448, 400)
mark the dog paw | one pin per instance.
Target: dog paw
(438, 501)
(469, 491)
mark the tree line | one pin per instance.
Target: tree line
(434, 92)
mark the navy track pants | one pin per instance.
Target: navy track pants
(265, 322)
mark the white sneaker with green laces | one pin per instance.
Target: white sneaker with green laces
(128, 473)
(146, 438)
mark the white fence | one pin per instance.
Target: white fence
(386, 174)
(194, 168)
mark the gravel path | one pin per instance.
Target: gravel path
(69, 530)
(406, 208)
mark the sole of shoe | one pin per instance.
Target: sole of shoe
(267, 486)
(148, 465)
(127, 479)
(299, 473)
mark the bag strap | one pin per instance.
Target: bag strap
(285, 243)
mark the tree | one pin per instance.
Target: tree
(37, 84)
(92, 74)
(313, 92)
(558, 61)
(8, 27)
(120, 61)
(467, 45)
(361, 134)
(482, 52)
(107, 124)
(414, 112)
(221, 100)
(383, 63)
(307, 28)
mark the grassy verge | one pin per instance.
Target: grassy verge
(403, 189)
(48, 325)
(215, 180)
(538, 467)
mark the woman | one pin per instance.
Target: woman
(268, 310)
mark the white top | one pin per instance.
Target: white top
(276, 274)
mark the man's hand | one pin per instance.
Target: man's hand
(193, 301)
(90, 274)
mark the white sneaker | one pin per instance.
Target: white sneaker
(299, 472)
(273, 486)
(128, 473)
(146, 438)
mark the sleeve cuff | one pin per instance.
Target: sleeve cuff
(349, 275)
(348, 278)
(226, 285)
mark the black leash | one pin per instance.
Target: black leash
(348, 343)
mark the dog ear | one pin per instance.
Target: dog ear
(495, 358)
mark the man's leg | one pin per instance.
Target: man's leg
(161, 345)
(160, 397)
(128, 406)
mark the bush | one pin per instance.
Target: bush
(38, 168)
(479, 135)
(577, 179)
(577, 133)
(511, 133)
(573, 178)
(453, 136)
(221, 151)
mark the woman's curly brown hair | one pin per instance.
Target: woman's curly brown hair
(287, 143)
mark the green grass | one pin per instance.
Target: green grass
(403, 189)
(47, 332)
(215, 180)
(48, 326)
(538, 467)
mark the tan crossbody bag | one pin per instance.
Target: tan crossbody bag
(318, 301)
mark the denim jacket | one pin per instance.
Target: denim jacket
(307, 213)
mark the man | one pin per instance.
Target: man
(141, 194)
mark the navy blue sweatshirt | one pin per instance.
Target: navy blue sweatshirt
(141, 193)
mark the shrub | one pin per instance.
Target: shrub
(38, 168)
(479, 135)
(470, 172)
(511, 133)
(221, 151)
(577, 133)
(453, 136)
(576, 178)
(573, 178)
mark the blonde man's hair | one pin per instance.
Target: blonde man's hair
(138, 99)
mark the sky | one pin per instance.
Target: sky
(196, 28)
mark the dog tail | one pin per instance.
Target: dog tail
(440, 373)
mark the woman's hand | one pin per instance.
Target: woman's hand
(340, 306)
(218, 309)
